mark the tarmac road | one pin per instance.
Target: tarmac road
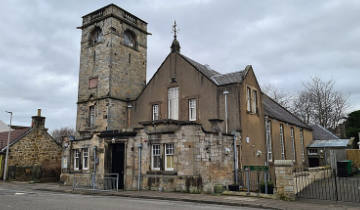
(25, 199)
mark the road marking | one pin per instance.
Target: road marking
(19, 193)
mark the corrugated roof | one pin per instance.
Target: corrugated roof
(330, 143)
(275, 110)
(14, 136)
(216, 77)
(321, 133)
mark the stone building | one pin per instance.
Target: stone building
(33, 153)
(188, 129)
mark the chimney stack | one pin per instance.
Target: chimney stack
(38, 121)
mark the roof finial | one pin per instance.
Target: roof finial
(175, 46)
(175, 30)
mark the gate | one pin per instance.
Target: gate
(256, 179)
(325, 184)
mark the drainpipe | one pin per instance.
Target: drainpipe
(139, 174)
(236, 161)
(226, 111)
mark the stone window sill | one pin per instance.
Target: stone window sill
(161, 173)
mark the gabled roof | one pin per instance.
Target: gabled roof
(214, 76)
(330, 143)
(14, 136)
(275, 110)
(321, 133)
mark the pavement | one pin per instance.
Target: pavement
(227, 200)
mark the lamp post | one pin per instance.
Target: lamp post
(7, 147)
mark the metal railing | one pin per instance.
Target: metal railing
(255, 181)
(110, 182)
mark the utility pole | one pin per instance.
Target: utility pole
(7, 147)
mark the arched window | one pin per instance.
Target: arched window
(130, 39)
(95, 36)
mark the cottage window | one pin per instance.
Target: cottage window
(155, 158)
(86, 158)
(155, 112)
(282, 142)
(169, 157)
(173, 103)
(293, 143)
(302, 144)
(76, 159)
(248, 99)
(254, 101)
(91, 116)
(192, 109)
(268, 140)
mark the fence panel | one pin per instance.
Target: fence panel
(110, 182)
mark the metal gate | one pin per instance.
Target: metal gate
(325, 184)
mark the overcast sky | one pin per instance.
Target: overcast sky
(286, 42)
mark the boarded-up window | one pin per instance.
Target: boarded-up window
(282, 143)
(302, 150)
(93, 82)
(91, 116)
(254, 101)
(292, 134)
(173, 103)
(248, 99)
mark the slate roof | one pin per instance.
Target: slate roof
(330, 143)
(14, 136)
(216, 77)
(275, 110)
(321, 133)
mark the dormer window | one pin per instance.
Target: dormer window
(130, 39)
(96, 36)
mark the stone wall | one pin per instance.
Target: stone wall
(285, 185)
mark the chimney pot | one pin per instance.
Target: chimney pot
(39, 112)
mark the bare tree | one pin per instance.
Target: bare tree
(283, 98)
(58, 134)
(320, 103)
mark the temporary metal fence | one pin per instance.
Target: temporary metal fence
(256, 179)
(110, 182)
(326, 184)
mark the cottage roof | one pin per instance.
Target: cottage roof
(321, 133)
(216, 77)
(14, 136)
(330, 143)
(275, 110)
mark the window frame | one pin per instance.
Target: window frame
(155, 112)
(77, 159)
(192, 103)
(292, 136)
(268, 140)
(248, 99)
(282, 142)
(173, 103)
(254, 101)
(91, 116)
(85, 151)
(167, 150)
(153, 155)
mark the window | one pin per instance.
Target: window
(155, 112)
(192, 109)
(302, 144)
(91, 116)
(155, 158)
(93, 82)
(129, 39)
(173, 103)
(85, 162)
(313, 151)
(169, 157)
(268, 140)
(248, 98)
(254, 101)
(293, 143)
(95, 36)
(76, 159)
(282, 142)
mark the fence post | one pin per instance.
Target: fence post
(285, 179)
(266, 181)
